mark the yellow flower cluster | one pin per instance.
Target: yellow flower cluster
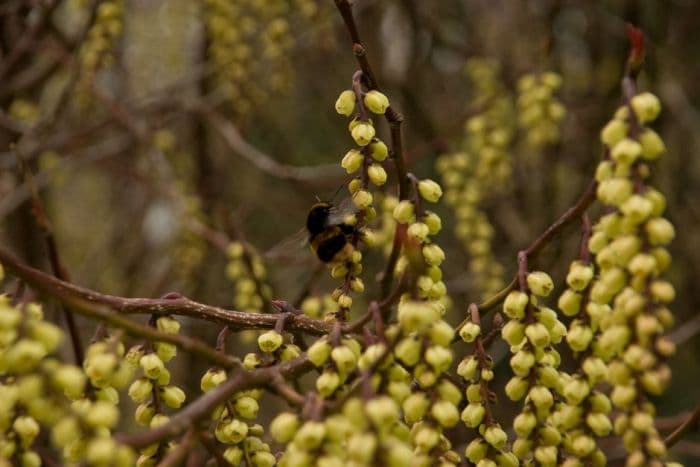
(39, 392)
(153, 391)
(481, 169)
(629, 299)
(95, 51)
(532, 332)
(539, 111)
(246, 268)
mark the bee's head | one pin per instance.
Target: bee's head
(317, 220)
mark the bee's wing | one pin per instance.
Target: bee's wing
(341, 211)
(292, 248)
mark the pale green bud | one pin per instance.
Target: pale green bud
(345, 104)
(439, 358)
(623, 396)
(310, 435)
(513, 332)
(473, 414)
(614, 191)
(663, 291)
(418, 231)
(415, 406)
(71, 380)
(579, 337)
(524, 423)
(646, 106)
(376, 102)
(378, 150)
(408, 350)
(470, 331)
(626, 151)
(102, 414)
(327, 383)
(344, 358)
(541, 397)
(416, 316)
(660, 231)
(476, 450)
(537, 334)
(430, 190)
(540, 283)
(152, 365)
(173, 396)
(362, 133)
(211, 379)
(66, 431)
(441, 333)
(495, 436)
(467, 367)
(270, 341)
(433, 222)
(47, 334)
(144, 414)
(652, 144)
(515, 304)
(140, 390)
(168, 325)
(522, 362)
(27, 428)
(613, 132)
(100, 451)
(404, 212)
(23, 356)
(377, 174)
(516, 388)
(352, 161)
(433, 254)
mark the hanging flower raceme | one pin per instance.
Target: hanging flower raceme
(629, 295)
(539, 110)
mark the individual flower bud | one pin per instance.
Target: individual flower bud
(246, 407)
(467, 367)
(495, 436)
(522, 362)
(524, 423)
(569, 302)
(540, 283)
(362, 199)
(515, 304)
(430, 190)
(646, 106)
(378, 150)
(211, 379)
(417, 316)
(415, 406)
(623, 396)
(626, 151)
(652, 144)
(537, 334)
(352, 161)
(362, 133)
(377, 174)
(404, 212)
(27, 428)
(613, 132)
(473, 414)
(516, 388)
(173, 396)
(541, 397)
(660, 231)
(433, 222)
(66, 431)
(579, 337)
(614, 191)
(270, 341)
(441, 333)
(283, 427)
(439, 358)
(576, 391)
(344, 358)
(168, 325)
(383, 411)
(513, 332)
(47, 334)
(662, 291)
(152, 365)
(327, 383)
(476, 450)
(144, 414)
(165, 351)
(433, 254)
(376, 102)
(102, 414)
(140, 390)
(263, 459)
(595, 369)
(71, 380)
(470, 331)
(655, 446)
(30, 458)
(345, 104)
(345, 301)
(310, 435)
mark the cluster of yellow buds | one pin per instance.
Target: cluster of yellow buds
(246, 268)
(234, 426)
(490, 447)
(532, 331)
(37, 390)
(365, 163)
(583, 420)
(249, 45)
(153, 391)
(95, 52)
(366, 432)
(630, 298)
(337, 360)
(539, 111)
(319, 306)
(480, 169)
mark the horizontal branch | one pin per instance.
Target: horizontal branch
(93, 304)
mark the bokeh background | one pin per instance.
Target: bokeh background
(157, 130)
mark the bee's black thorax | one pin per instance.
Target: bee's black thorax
(317, 220)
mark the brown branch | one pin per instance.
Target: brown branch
(689, 424)
(96, 305)
(176, 456)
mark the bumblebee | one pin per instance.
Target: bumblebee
(329, 232)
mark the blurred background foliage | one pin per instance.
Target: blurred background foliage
(156, 130)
